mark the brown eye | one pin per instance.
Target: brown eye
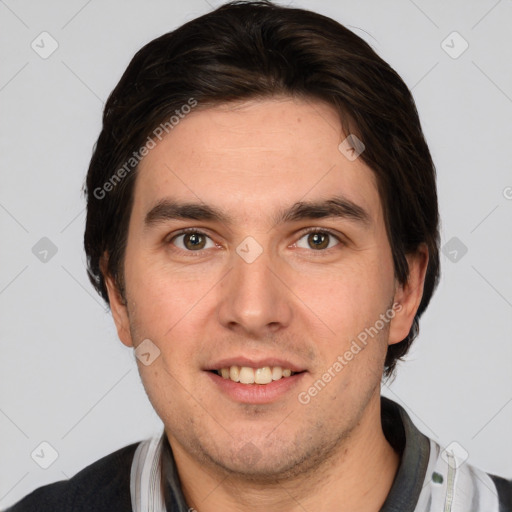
(318, 240)
(192, 241)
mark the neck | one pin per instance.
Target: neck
(357, 478)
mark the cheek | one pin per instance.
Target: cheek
(164, 388)
(350, 294)
(162, 297)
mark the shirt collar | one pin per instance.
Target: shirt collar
(414, 448)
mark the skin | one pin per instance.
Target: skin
(250, 160)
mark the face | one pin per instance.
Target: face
(257, 249)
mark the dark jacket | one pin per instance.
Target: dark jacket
(104, 486)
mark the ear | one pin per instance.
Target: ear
(408, 296)
(117, 305)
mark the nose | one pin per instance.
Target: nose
(255, 299)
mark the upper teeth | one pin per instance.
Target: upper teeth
(248, 375)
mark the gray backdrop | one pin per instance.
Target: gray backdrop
(65, 379)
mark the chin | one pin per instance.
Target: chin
(264, 471)
(273, 462)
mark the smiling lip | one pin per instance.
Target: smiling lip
(255, 393)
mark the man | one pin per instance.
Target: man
(262, 220)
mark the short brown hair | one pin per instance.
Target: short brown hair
(248, 50)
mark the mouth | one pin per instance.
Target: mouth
(252, 381)
(248, 375)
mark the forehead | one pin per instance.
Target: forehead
(255, 157)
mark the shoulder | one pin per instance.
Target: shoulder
(102, 486)
(504, 490)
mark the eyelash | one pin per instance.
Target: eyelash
(308, 231)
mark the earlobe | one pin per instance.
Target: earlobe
(117, 306)
(409, 295)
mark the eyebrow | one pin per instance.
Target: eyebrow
(336, 207)
(169, 209)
